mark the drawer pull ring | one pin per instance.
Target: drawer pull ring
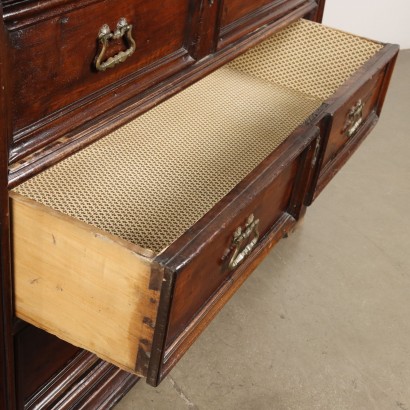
(354, 119)
(124, 30)
(239, 237)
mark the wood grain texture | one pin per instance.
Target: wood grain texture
(370, 82)
(238, 18)
(203, 318)
(208, 269)
(48, 142)
(64, 49)
(368, 94)
(329, 171)
(233, 10)
(81, 284)
(7, 388)
(280, 229)
(195, 265)
(83, 113)
(19, 14)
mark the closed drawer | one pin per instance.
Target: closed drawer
(239, 18)
(57, 58)
(130, 247)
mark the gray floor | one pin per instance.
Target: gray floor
(324, 322)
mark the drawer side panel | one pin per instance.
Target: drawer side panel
(81, 284)
(368, 96)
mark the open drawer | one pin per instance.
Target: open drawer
(131, 246)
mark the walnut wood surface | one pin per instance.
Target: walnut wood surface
(382, 67)
(7, 388)
(208, 268)
(194, 264)
(369, 95)
(70, 129)
(63, 49)
(203, 318)
(370, 83)
(238, 18)
(233, 10)
(82, 381)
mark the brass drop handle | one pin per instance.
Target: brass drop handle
(123, 30)
(239, 237)
(354, 119)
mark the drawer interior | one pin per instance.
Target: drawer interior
(120, 202)
(152, 179)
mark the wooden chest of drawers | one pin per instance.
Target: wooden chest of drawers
(129, 247)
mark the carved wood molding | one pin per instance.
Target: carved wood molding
(86, 382)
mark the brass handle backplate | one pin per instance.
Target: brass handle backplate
(354, 119)
(241, 248)
(123, 30)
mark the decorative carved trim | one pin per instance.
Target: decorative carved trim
(86, 382)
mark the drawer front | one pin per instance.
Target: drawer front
(55, 60)
(217, 256)
(238, 17)
(350, 116)
(215, 264)
(349, 119)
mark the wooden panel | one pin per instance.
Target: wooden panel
(203, 318)
(47, 143)
(203, 276)
(235, 9)
(54, 59)
(83, 285)
(196, 265)
(39, 356)
(239, 18)
(7, 388)
(369, 84)
(368, 95)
